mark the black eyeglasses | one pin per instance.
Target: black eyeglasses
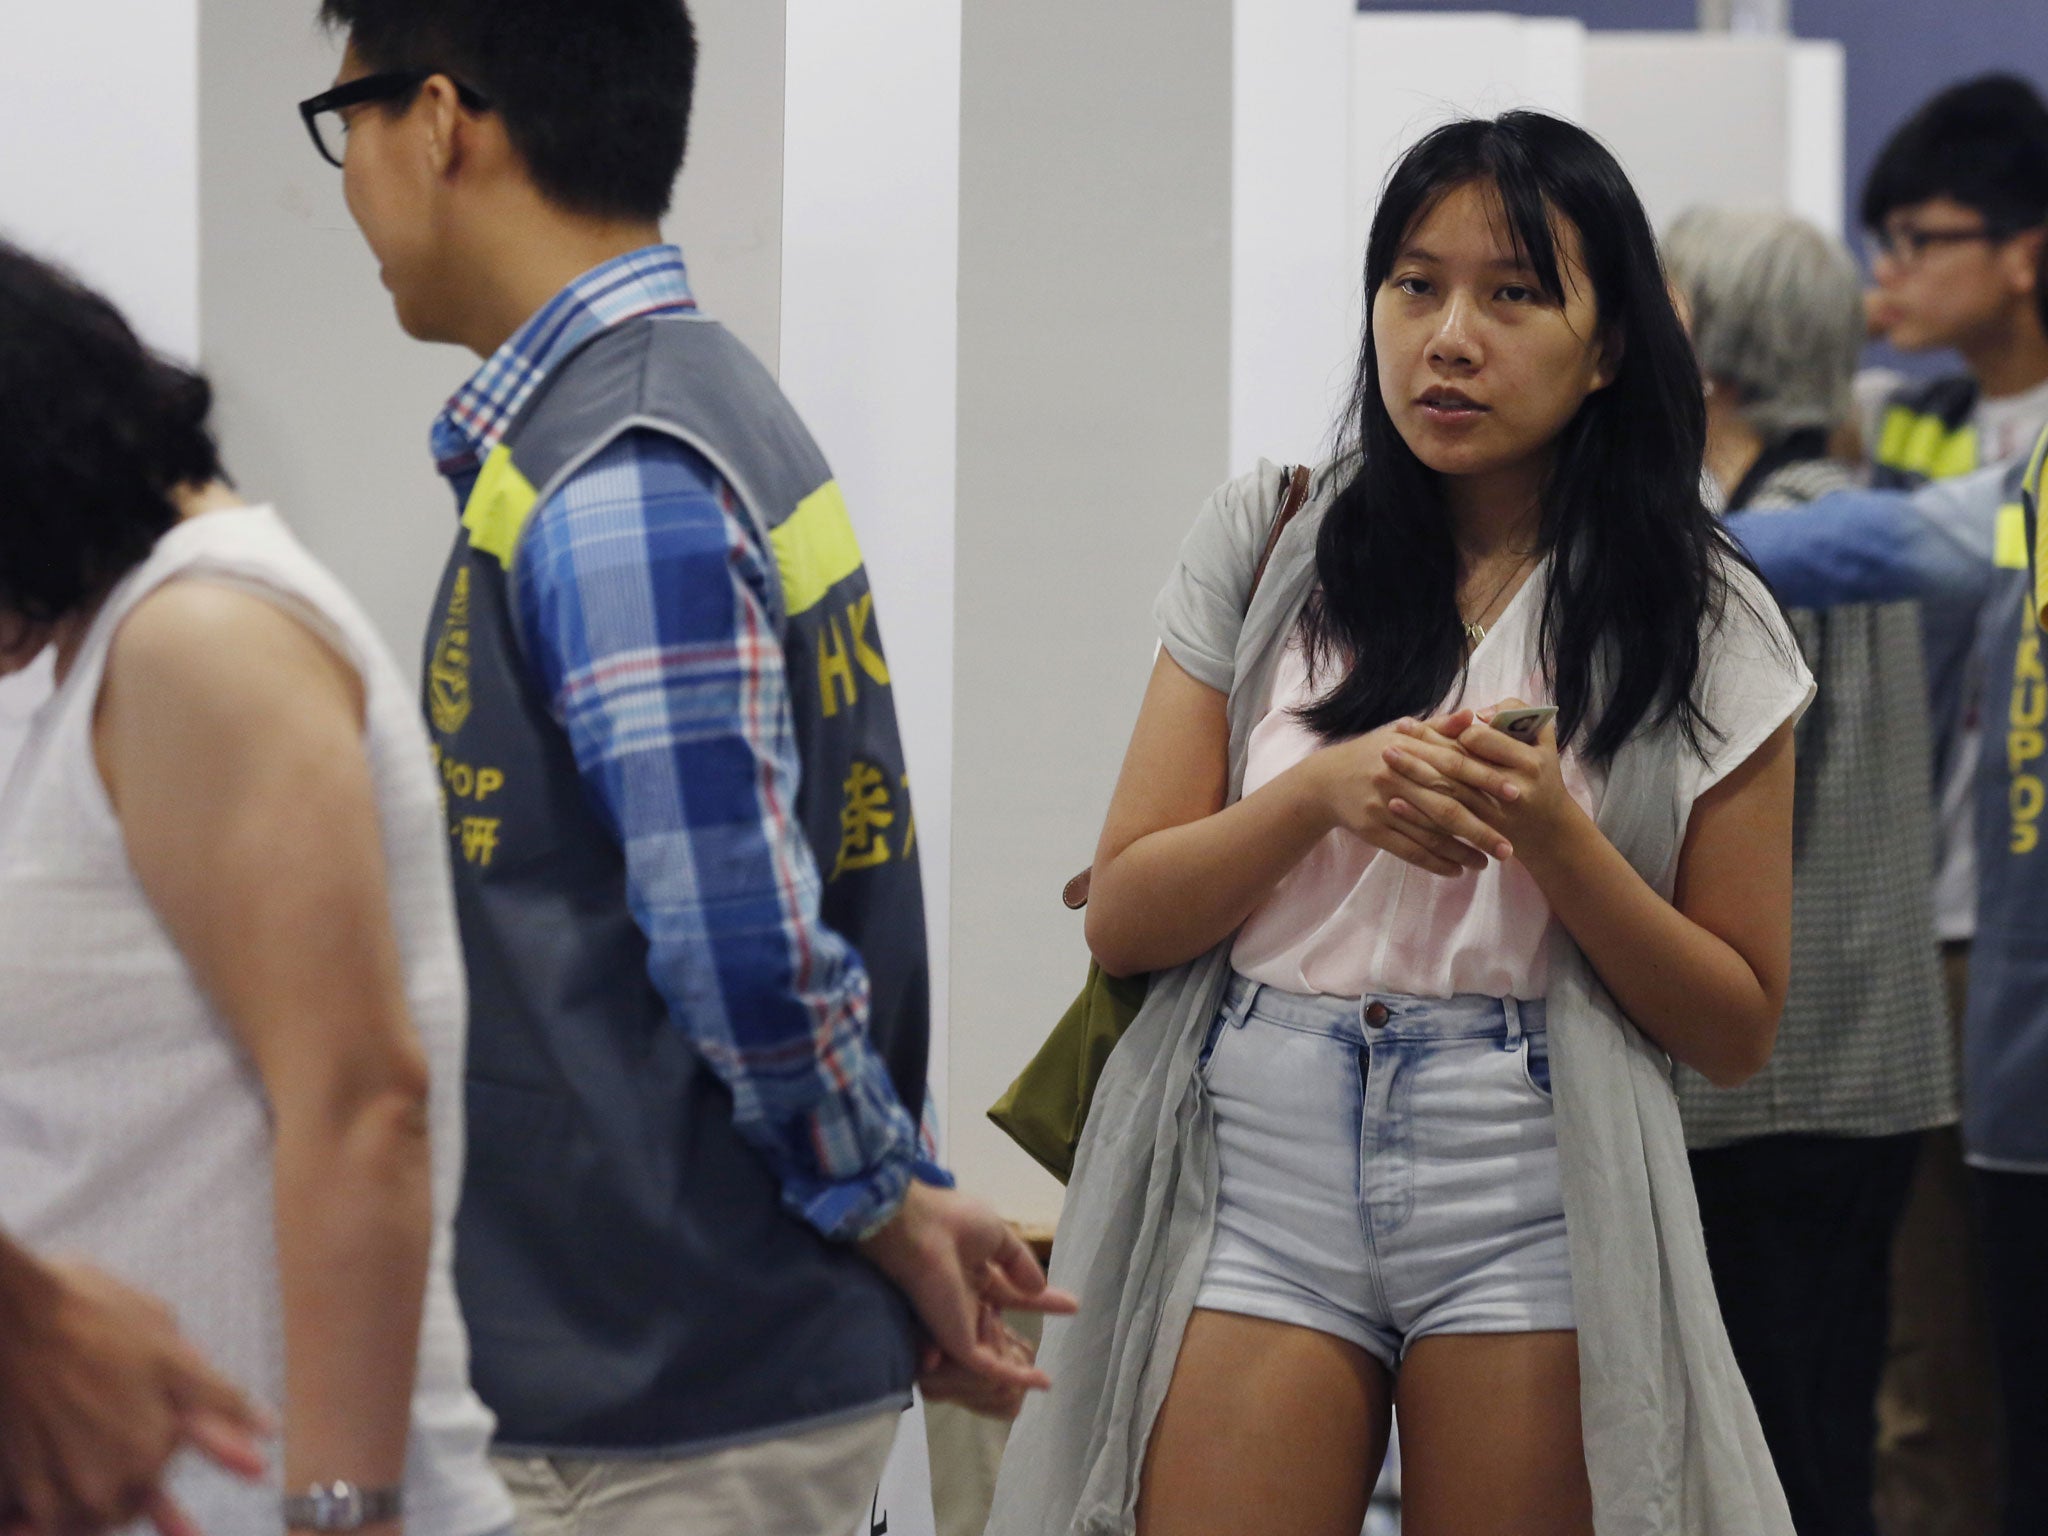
(1907, 244)
(329, 129)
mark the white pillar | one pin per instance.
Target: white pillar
(1294, 273)
(1155, 291)
(99, 116)
(729, 204)
(1701, 118)
(1768, 17)
(1417, 70)
(1095, 406)
(870, 260)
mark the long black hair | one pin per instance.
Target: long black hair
(1637, 561)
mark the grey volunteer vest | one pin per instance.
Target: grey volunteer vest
(1928, 433)
(2005, 1040)
(631, 1277)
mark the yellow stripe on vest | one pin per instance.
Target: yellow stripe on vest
(499, 505)
(815, 549)
(2009, 549)
(1925, 445)
(2036, 494)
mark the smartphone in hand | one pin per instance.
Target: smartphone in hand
(1525, 724)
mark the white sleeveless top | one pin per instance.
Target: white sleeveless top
(133, 1129)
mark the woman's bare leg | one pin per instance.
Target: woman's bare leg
(1267, 1427)
(1490, 1438)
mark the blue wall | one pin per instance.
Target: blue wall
(1899, 51)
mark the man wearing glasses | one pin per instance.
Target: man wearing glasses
(1955, 209)
(697, 1218)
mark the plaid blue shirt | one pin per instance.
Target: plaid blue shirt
(642, 596)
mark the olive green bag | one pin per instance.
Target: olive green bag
(1047, 1105)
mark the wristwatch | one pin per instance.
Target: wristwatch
(341, 1506)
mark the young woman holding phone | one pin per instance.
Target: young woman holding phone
(1396, 1127)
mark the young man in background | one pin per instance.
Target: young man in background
(1955, 209)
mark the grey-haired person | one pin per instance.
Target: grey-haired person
(1803, 1171)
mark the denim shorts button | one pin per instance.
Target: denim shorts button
(1376, 1015)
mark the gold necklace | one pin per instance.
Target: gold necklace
(1475, 632)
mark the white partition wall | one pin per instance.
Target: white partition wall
(1818, 130)
(728, 215)
(1155, 291)
(1293, 274)
(1413, 71)
(1743, 121)
(869, 325)
(1094, 418)
(99, 116)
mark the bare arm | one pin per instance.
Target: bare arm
(1704, 974)
(1176, 872)
(230, 740)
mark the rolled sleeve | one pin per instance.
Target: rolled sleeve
(643, 600)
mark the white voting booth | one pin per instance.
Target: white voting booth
(1747, 121)
(1693, 117)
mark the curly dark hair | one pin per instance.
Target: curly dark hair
(100, 432)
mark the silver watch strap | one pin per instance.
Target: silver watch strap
(341, 1506)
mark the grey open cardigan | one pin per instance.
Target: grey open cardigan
(1672, 1442)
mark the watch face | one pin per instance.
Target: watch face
(337, 1507)
(341, 1506)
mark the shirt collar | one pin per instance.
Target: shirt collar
(475, 420)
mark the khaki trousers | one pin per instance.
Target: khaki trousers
(819, 1483)
(1938, 1429)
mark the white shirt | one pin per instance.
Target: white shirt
(1350, 920)
(133, 1129)
(21, 694)
(2009, 425)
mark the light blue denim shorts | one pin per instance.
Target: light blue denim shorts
(1388, 1167)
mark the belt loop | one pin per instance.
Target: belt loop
(1243, 1010)
(1512, 1010)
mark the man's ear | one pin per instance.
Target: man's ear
(441, 115)
(2025, 257)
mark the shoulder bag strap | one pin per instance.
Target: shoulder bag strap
(1075, 892)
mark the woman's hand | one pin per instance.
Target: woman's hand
(1360, 788)
(1702, 972)
(1515, 791)
(98, 1390)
